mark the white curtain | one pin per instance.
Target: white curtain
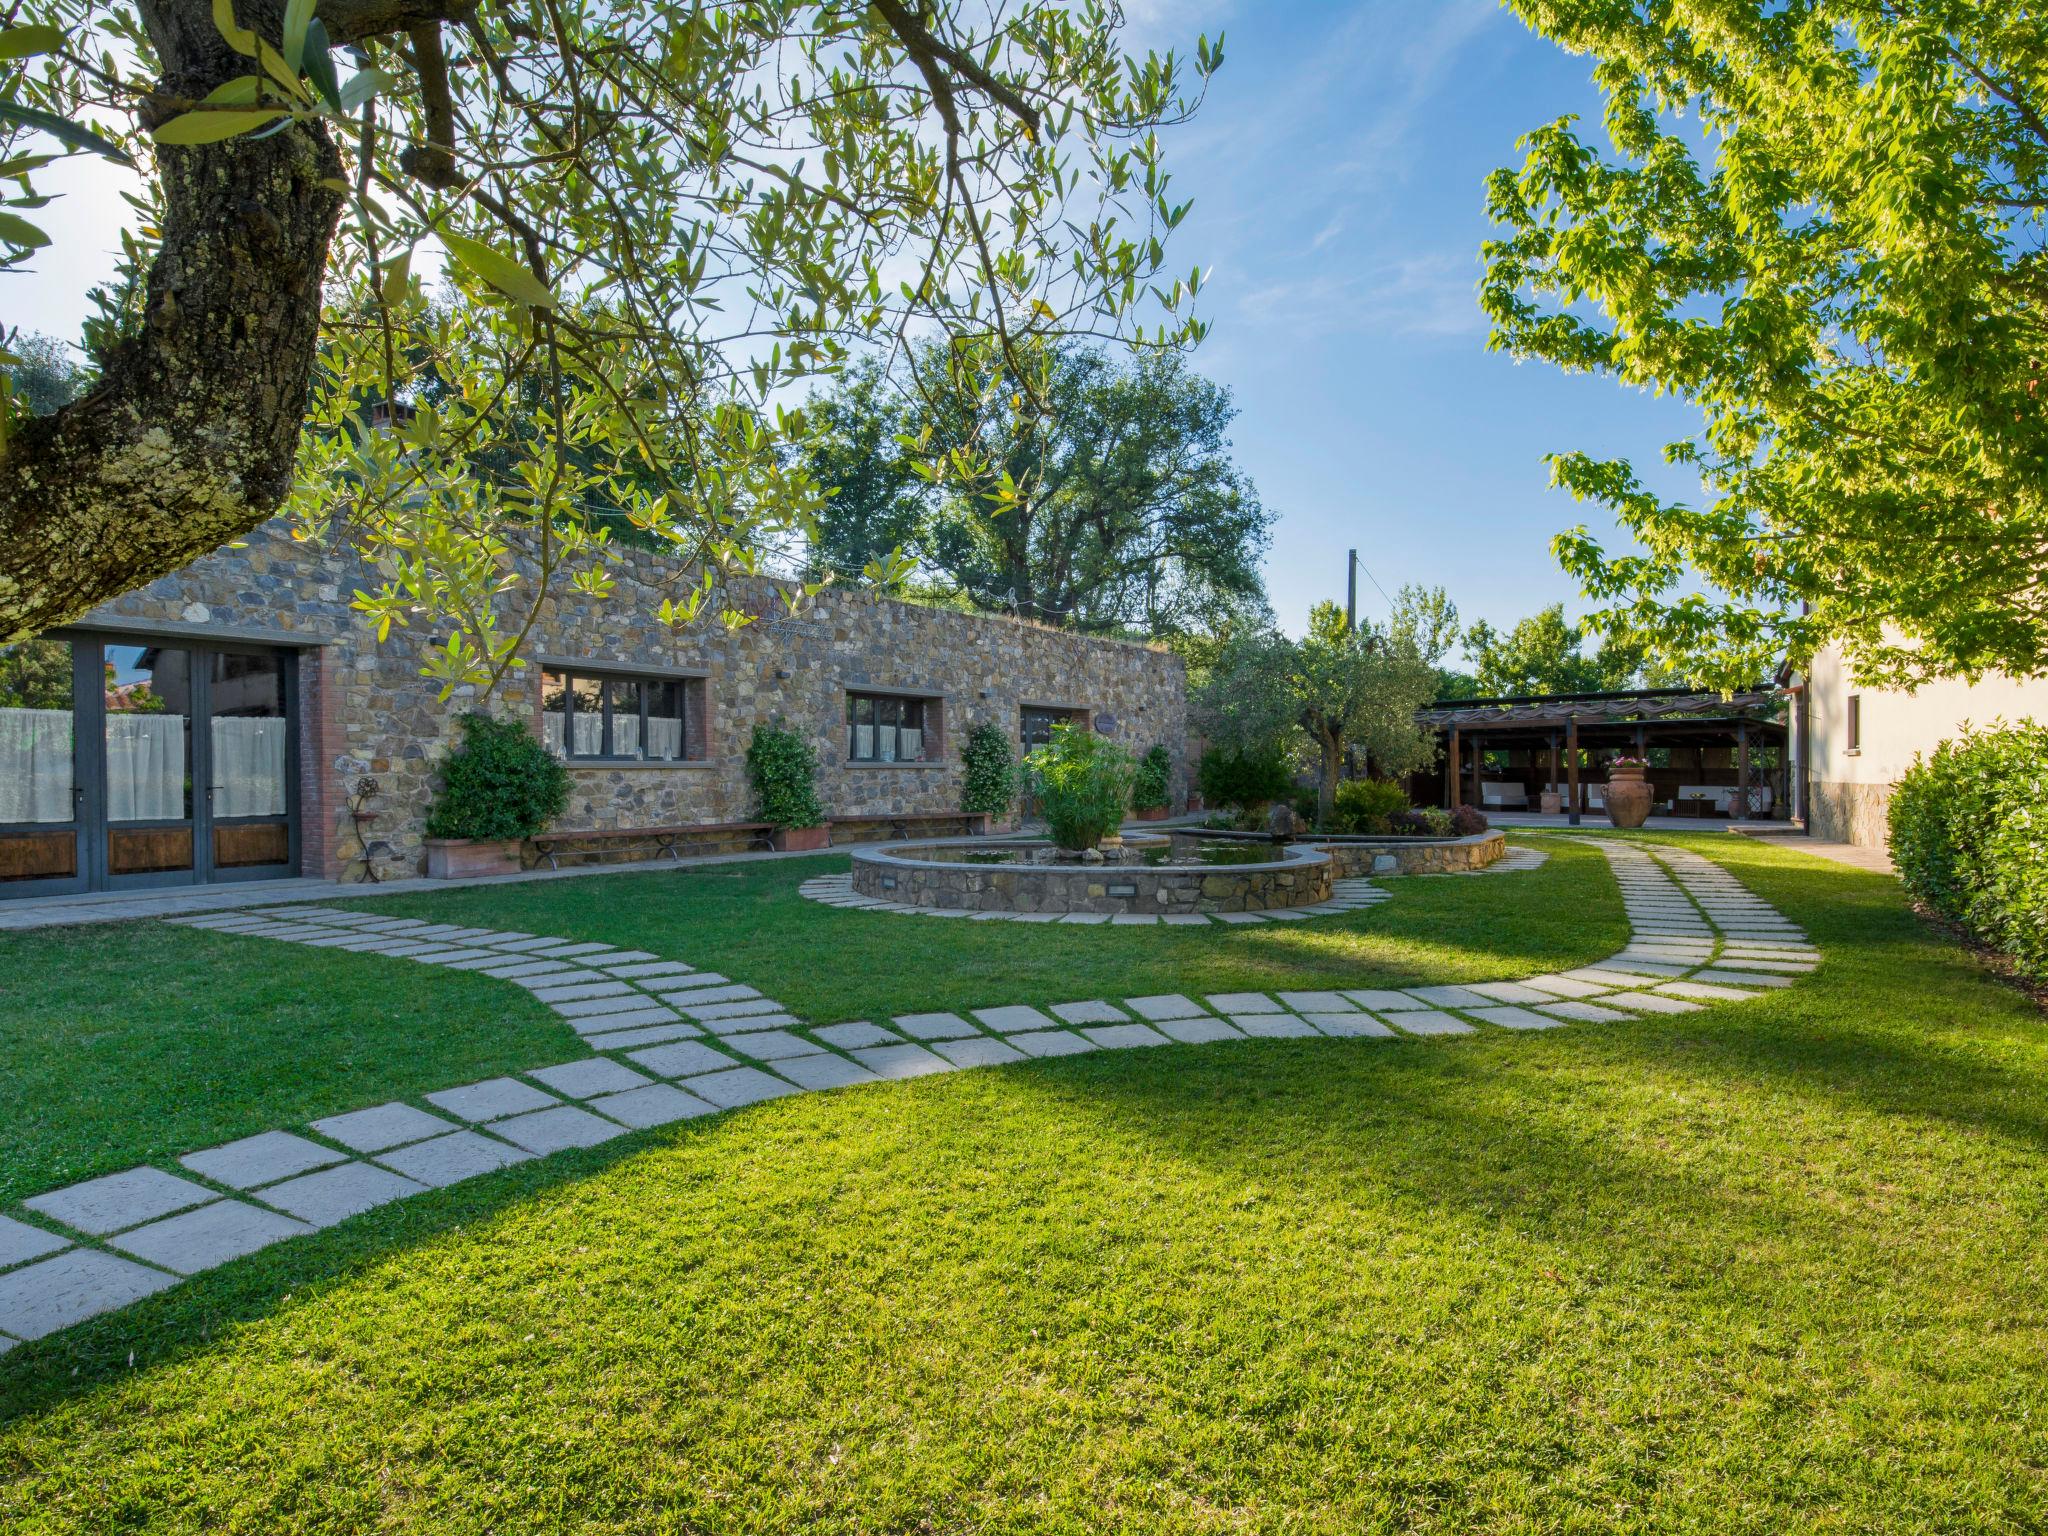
(248, 765)
(911, 745)
(145, 767)
(35, 765)
(664, 738)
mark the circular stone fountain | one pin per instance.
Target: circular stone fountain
(1144, 876)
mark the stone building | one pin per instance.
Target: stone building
(108, 777)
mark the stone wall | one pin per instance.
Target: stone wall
(1849, 813)
(1413, 856)
(1298, 877)
(375, 714)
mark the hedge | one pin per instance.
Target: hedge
(1969, 834)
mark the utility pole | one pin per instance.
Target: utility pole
(1351, 590)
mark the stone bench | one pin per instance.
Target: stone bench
(715, 836)
(927, 823)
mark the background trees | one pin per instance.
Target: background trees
(1109, 502)
(1836, 256)
(1546, 654)
(662, 218)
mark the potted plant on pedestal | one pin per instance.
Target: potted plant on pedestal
(990, 776)
(1152, 789)
(784, 772)
(498, 788)
(1628, 791)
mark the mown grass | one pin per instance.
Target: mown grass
(1772, 1267)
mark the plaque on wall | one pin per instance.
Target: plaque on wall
(1105, 725)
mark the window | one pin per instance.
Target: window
(591, 715)
(883, 728)
(1855, 722)
(1036, 722)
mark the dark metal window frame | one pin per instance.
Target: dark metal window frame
(903, 702)
(605, 677)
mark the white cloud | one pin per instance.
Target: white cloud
(1428, 295)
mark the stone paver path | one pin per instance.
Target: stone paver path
(667, 1042)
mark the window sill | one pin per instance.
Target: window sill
(1852, 751)
(633, 764)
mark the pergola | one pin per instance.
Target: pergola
(1569, 725)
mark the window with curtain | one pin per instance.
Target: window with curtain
(612, 716)
(884, 728)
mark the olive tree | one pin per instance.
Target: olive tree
(660, 217)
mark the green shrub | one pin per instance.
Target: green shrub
(1153, 788)
(1227, 777)
(991, 772)
(1083, 785)
(499, 784)
(784, 771)
(1969, 834)
(1367, 805)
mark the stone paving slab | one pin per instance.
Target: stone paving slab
(335, 1194)
(1185, 919)
(857, 1033)
(1649, 1002)
(1052, 1042)
(633, 1013)
(561, 951)
(1167, 1005)
(681, 1059)
(1084, 919)
(1584, 1013)
(1273, 1026)
(1427, 1021)
(1706, 992)
(1508, 992)
(634, 1006)
(1123, 1037)
(900, 1061)
(626, 1039)
(493, 1099)
(450, 1159)
(1515, 1018)
(385, 1125)
(1202, 1031)
(117, 1200)
(1242, 1002)
(20, 1242)
(642, 970)
(743, 1023)
(573, 976)
(978, 1052)
(656, 1104)
(694, 981)
(588, 1078)
(773, 1045)
(56, 1293)
(824, 1071)
(934, 1026)
(1010, 1020)
(1236, 918)
(1361, 1026)
(554, 1130)
(1092, 1011)
(1564, 986)
(1379, 1001)
(1741, 978)
(1449, 997)
(1783, 967)
(262, 1159)
(1134, 920)
(585, 991)
(210, 1236)
(739, 1086)
(725, 1003)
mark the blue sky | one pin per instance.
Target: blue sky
(1337, 172)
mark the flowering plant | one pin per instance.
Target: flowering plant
(1627, 762)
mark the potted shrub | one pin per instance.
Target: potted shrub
(784, 771)
(990, 787)
(1083, 786)
(498, 788)
(1152, 788)
(1628, 791)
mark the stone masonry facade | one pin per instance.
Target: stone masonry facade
(365, 709)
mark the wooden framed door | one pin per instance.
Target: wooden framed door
(44, 817)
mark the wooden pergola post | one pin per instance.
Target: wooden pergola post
(1571, 753)
(1739, 811)
(1451, 774)
(1479, 772)
(1553, 783)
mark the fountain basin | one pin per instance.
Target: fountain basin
(978, 874)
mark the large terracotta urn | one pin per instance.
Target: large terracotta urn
(1628, 794)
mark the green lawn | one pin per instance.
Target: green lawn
(1771, 1267)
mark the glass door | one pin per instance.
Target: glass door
(42, 810)
(147, 733)
(249, 767)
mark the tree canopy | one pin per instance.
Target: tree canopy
(1336, 688)
(1546, 654)
(1820, 222)
(661, 219)
(1108, 501)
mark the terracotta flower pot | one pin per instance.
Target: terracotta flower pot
(1550, 802)
(1628, 797)
(462, 858)
(1151, 813)
(802, 839)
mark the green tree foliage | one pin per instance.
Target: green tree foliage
(1819, 222)
(38, 374)
(1430, 618)
(1338, 687)
(1367, 805)
(1106, 502)
(1966, 835)
(783, 769)
(499, 784)
(1547, 654)
(1244, 777)
(35, 674)
(1152, 790)
(1082, 785)
(660, 220)
(990, 777)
